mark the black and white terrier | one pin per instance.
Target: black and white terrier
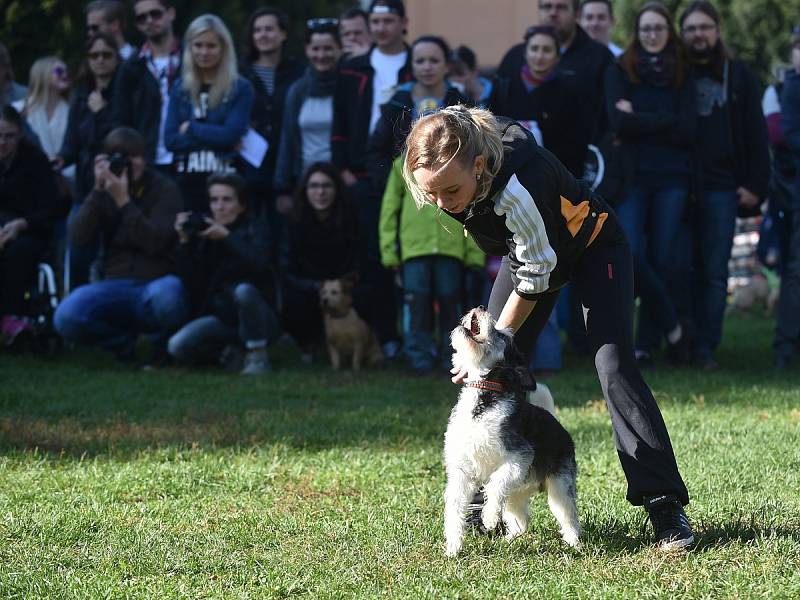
(497, 439)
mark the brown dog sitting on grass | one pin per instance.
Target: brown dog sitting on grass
(346, 334)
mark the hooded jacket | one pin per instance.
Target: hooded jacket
(537, 213)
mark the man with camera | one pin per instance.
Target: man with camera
(133, 208)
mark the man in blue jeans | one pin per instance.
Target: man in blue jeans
(133, 209)
(732, 158)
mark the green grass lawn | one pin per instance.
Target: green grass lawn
(317, 484)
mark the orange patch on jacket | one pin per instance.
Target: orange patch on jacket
(575, 215)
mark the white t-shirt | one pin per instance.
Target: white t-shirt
(386, 66)
(163, 156)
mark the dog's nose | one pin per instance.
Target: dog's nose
(481, 307)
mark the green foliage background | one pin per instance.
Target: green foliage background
(31, 29)
(757, 30)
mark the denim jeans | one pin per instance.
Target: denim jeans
(203, 339)
(111, 313)
(715, 225)
(547, 350)
(427, 279)
(651, 217)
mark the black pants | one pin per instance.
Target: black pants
(18, 267)
(603, 281)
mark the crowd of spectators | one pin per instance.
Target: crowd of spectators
(199, 194)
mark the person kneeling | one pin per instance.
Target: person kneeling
(133, 208)
(224, 262)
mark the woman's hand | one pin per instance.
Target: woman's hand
(284, 204)
(215, 231)
(11, 230)
(180, 219)
(624, 106)
(96, 101)
(348, 178)
(459, 373)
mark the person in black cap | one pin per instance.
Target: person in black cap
(364, 83)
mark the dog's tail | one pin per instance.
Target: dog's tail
(542, 398)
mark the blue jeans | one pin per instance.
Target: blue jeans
(427, 279)
(715, 225)
(111, 313)
(651, 217)
(547, 351)
(203, 339)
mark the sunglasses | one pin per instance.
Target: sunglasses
(319, 23)
(104, 54)
(152, 15)
(60, 71)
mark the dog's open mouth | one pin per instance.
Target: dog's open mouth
(474, 325)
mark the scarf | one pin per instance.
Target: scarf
(530, 81)
(653, 69)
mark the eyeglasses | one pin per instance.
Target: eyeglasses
(653, 29)
(153, 15)
(319, 186)
(318, 23)
(704, 28)
(104, 54)
(60, 71)
(548, 7)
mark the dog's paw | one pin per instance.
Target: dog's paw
(453, 548)
(490, 516)
(571, 538)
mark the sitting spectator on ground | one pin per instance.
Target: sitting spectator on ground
(323, 244)
(109, 17)
(10, 90)
(464, 72)
(354, 32)
(209, 112)
(133, 207)
(223, 261)
(308, 113)
(29, 208)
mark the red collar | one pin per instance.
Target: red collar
(485, 384)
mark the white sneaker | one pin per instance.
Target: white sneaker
(256, 362)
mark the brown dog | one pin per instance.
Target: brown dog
(346, 334)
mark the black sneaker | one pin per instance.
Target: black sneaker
(672, 528)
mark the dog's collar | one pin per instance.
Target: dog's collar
(486, 384)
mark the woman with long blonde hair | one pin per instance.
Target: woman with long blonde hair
(516, 199)
(209, 111)
(46, 107)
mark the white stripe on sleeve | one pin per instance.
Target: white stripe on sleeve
(533, 249)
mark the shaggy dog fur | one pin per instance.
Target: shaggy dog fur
(497, 439)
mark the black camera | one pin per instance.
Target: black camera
(194, 224)
(117, 163)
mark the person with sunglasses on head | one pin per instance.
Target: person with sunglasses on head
(651, 103)
(585, 58)
(731, 168)
(144, 82)
(110, 17)
(89, 123)
(45, 107)
(308, 113)
(786, 339)
(271, 70)
(209, 111)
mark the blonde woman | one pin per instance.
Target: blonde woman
(45, 107)
(209, 111)
(516, 199)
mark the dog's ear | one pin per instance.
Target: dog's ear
(512, 355)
